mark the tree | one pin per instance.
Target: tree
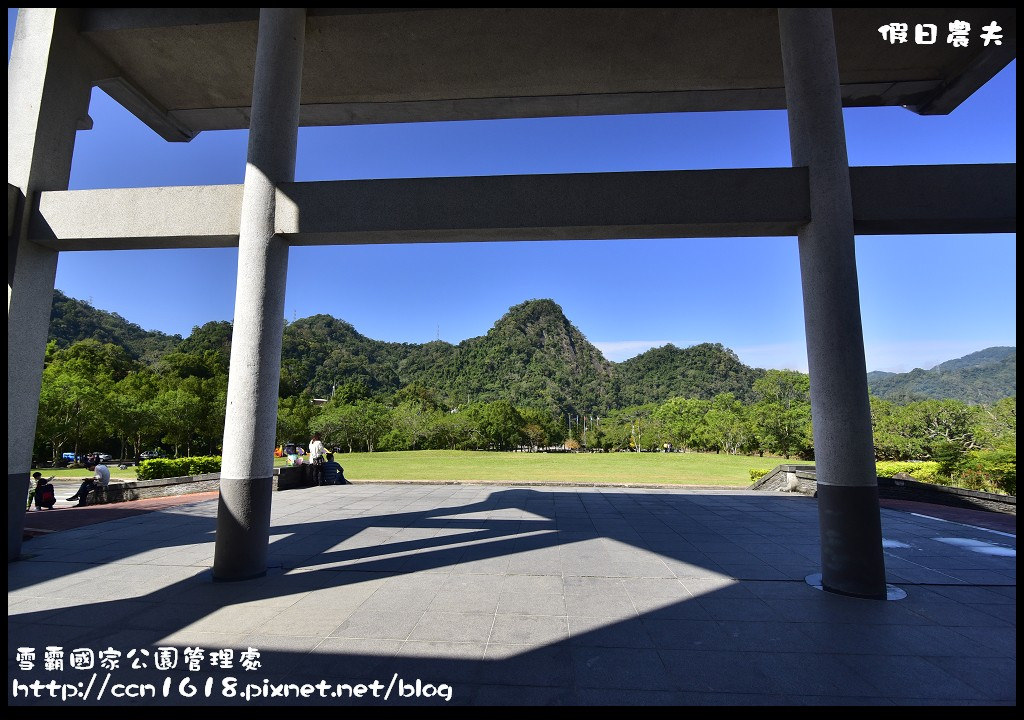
(782, 413)
(500, 425)
(683, 421)
(728, 426)
(295, 416)
(133, 411)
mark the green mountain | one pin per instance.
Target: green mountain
(701, 371)
(533, 357)
(979, 378)
(72, 320)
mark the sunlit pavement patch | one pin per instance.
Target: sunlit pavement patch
(886, 543)
(979, 546)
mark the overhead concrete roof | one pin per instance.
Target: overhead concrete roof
(187, 70)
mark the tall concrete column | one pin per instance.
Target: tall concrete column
(848, 511)
(243, 514)
(47, 98)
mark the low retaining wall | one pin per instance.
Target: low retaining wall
(285, 478)
(788, 478)
(802, 479)
(290, 478)
(125, 490)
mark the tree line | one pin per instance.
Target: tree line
(95, 396)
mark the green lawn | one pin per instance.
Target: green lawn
(655, 468)
(467, 466)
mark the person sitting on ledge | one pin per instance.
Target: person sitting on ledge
(334, 474)
(100, 478)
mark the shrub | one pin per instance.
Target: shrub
(992, 471)
(758, 473)
(949, 456)
(177, 467)
(923, 471)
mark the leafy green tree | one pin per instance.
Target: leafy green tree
(500, 425)
(782, 413)
(949, 422)
(684, 422)
(295, 416)
(728, 425)
(134, 412)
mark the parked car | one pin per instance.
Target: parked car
(103, 457)
(149, 455)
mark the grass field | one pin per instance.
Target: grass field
(654, 468)
(466, 466)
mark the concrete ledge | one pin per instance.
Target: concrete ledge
(802, 479)
(126, 490)
(290, 478)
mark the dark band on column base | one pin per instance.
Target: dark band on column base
(851, 541)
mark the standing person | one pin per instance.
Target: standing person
(316, 456)
(100, 478)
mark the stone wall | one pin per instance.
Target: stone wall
(285, 478)
(125, 490)
(801, 478)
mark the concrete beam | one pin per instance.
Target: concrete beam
(138, 218)
(934, 199)
(688, 203)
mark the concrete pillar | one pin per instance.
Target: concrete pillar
(47, 96)
(243, 515)
(848, 511)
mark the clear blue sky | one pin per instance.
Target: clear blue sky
(924, 299)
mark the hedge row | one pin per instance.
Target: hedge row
(178, 467)
(924, 471)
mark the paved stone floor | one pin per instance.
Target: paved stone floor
(501, 595)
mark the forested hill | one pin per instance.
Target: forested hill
(72, 320)
(532, 356)
(979, 378)
(701, 371)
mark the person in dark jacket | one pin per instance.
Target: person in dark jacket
(45, 497)
(334, 474)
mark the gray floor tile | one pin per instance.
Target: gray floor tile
(531, 604)
(454, 627)
(906, 676)
(608, 632)
(995, 678)
(378, 625)
(626, 668)
(528, 629)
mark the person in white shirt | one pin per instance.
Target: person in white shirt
(317, 451)
(100, 478)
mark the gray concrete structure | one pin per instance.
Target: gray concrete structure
(243, 516)
(761, 202)
(851, 533)
(182, 71)
(47, 95)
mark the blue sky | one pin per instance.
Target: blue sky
(924, 299)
